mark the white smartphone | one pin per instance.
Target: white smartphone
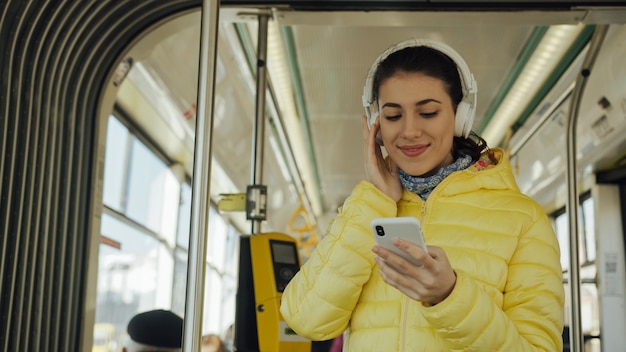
(385, 230)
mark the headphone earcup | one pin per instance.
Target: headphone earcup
(463, 119)
(371, 112)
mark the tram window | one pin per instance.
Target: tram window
(213, 297)
(140, 194)
(590, 233)
(150, 186)
(147, 211)
(114, 166)
(589, 301)
(586, 226)
(231, 262)
(589, 309)
(221, 275)
(216, 240)
(179, 287)
(184, 216)
(219, 311)
(135, 277)
(563, 237)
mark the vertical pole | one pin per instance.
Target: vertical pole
(576, 336)
(200, 199)
(259, 122)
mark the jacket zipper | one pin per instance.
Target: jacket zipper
(405, 318)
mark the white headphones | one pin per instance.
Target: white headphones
(466, 109)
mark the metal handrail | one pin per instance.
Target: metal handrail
(258, 147)
(575, 331)
(200, 199)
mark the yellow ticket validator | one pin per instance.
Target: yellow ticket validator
(273, 261)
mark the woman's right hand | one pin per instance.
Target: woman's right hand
(383, 176)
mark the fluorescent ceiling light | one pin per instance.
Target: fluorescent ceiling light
(278, 67)
(554, 44)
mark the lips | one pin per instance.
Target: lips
(413, 150)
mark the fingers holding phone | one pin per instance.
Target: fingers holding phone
(389, 232)
(406, 263)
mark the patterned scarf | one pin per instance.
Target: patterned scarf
(422, 186)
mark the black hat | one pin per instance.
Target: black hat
(158, 327)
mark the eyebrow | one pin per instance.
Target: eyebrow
(421, 102)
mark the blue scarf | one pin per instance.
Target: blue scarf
(422, 186)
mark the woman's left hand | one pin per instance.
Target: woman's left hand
(430, 283)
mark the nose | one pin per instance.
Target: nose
(412, 128)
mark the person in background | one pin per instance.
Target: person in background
(155, 331)
(491, 279)
(321, 346)
(337, 345)
(228, 337)
(212, 343)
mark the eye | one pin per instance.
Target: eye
(428, 115)
(393, 118)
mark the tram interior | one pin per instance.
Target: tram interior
(525, 64)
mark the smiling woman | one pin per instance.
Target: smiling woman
(478, 273)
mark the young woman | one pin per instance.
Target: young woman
(491, 279)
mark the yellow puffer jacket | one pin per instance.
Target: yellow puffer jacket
(508, 294)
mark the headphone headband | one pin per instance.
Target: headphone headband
(465, 110)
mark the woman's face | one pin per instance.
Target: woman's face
(416, 122)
